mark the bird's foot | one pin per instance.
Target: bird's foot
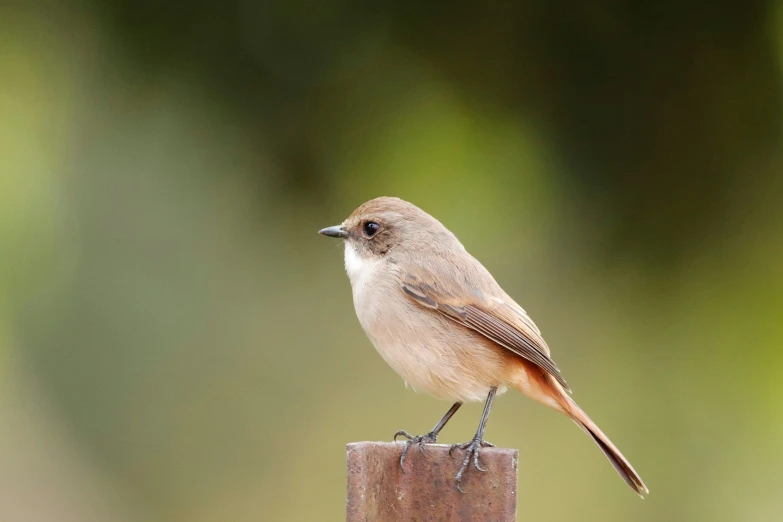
(420, 440)
(472, 451)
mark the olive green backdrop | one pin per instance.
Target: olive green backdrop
(178, 344)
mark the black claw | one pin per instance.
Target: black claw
(402, 457)
(473, 449)
(458, 478)
(420, 440)
(402, 433)
(476, 463)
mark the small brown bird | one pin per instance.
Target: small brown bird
(439, 319)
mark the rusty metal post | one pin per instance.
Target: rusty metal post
(378, 490)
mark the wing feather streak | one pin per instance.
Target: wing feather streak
(495, 322)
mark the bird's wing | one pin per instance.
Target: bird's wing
(502, 322)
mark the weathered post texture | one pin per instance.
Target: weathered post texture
(378, 490)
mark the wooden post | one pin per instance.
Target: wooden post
(378, 490)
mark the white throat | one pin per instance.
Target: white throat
(355, 266)
(361, 271)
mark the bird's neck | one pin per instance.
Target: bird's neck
(357, 267)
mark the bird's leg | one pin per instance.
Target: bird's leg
(430, 437)
(474, 446)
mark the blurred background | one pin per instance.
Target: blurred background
(178, 344)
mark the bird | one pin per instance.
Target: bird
(437, 316)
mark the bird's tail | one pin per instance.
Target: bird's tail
(537, 384)
(617, 459)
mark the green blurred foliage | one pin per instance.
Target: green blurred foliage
(177, 344)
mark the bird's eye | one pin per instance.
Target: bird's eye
(371, 228)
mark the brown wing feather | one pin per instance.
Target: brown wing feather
(494, 320)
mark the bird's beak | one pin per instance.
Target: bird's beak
(336, 231)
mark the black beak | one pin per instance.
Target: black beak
(337, 231)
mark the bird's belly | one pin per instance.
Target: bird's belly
(427, 369)
(436, 356)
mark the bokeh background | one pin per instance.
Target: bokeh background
(177, 344)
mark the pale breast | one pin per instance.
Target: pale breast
(431, 353)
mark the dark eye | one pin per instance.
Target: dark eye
(371, 228)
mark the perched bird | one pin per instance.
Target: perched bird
(442, 322)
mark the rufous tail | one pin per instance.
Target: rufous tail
(538, 385)
(617, 459)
